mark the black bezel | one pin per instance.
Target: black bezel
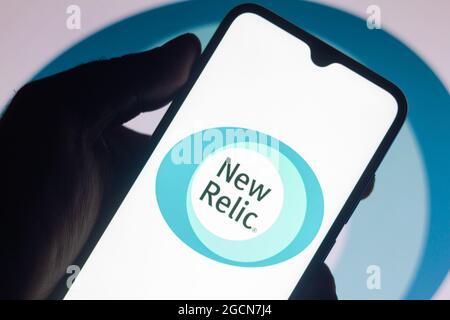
(335, 56)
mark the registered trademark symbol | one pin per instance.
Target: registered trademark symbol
(254, 229)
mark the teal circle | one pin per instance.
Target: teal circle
(291, 233)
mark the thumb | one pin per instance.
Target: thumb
(317, 284)
(114, 91)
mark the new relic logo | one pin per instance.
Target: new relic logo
(237, 193)
(241, 182)
(250, 201)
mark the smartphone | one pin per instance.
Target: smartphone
(257, 165)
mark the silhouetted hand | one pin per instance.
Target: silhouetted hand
(67, 161)
(66, 157)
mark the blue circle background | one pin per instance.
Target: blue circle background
(172, 185)
(428, 100)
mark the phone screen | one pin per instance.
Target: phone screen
(248, 178)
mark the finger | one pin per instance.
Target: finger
(116, 90)
(369, 188)
(317, 284)
(128, 149)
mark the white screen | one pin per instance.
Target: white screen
(259, 77)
